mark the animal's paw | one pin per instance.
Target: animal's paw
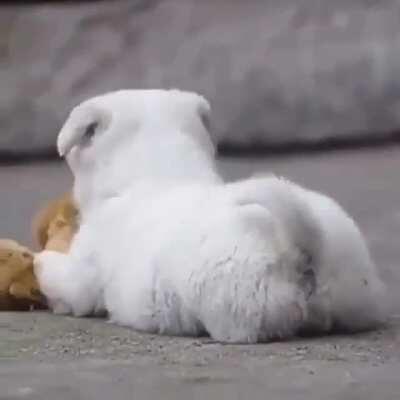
(50, 270)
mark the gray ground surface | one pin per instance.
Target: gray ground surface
(47, 357)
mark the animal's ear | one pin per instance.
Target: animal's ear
(81, 127)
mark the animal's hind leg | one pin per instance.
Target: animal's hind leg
(274, 308)
(292, 288)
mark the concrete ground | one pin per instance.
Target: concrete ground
(48, 357)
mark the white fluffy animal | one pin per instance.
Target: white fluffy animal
(166, 246)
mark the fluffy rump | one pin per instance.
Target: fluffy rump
(348, 294)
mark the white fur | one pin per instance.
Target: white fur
(166, 246)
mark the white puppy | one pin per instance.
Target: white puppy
(166, 246)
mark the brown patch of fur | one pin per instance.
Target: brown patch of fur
(55, 225)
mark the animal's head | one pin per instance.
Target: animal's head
(104, 129)
(18, 285)
(14, 260)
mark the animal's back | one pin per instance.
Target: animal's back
(140, 230)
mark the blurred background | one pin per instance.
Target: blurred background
(303, 88)
(278, 73)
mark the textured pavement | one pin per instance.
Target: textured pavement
(47, 357)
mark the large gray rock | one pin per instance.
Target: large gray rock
(276, 72)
